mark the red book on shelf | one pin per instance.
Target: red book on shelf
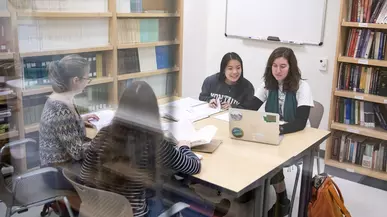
(353, 43)
(354, 10)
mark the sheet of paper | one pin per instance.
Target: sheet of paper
(223, 117)
(186, 102)
(105, 117)
(204, 135)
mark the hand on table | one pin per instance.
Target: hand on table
(225, 105)
(213, 103)
(88, 118)
(184, 143)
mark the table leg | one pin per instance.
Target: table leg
(306, 183)
(259, 197)
(266, 198)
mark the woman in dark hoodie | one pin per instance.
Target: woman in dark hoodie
(229, 85)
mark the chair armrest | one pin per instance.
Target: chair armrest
(33, 173)
(16, 143)
(176, 208)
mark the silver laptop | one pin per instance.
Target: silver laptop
(262, 127)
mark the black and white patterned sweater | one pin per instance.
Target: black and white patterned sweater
(62, 134)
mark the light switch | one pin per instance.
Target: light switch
(323, 64)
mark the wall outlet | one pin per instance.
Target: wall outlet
(323, 66)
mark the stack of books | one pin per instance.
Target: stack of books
(145, 30)
(363, 151)
(36, 68)
(145, 59)
(367, 11)
(356, 112)
(94, 98)
(37, 35)
(366, 43)
(362, 79)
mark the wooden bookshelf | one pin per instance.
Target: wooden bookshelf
(147, 15)
(150, 44)
(47, 14)
(364, 25)
(361, 96)
(10, 134)
(110, 54)
(71, 51)
(146, 74)
(368, 62)
(377, 133)
(353, 168)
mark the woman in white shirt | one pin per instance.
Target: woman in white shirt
(287, 94)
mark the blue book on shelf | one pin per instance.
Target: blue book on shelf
(153, 30)
(163, 58)
(136, 6)
(144, 30)
(347, 111)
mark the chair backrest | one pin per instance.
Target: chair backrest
(316, 114)
(99, 203)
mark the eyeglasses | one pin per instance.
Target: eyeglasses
(88, 80)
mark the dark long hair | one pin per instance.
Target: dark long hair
(136, 131)
(291, 82)
(223, 64)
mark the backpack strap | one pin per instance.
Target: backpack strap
(339, 200)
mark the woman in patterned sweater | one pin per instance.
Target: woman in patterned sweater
(135, 137)
(62, 130)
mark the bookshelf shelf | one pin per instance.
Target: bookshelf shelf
(147, 15)
(103, 80)
(71, 51)
(31, 128)
(377, 132)
(146, 74)
(6, 56)
(60, 14)
(357, 169)
(361, 96)
(5, 14)
(150, 44)
(369, 62)
(364, 25)
(9, 134)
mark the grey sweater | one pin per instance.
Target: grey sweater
(61, 134)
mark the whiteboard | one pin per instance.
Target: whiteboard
(291, 21)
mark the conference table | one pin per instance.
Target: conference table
(238, 167)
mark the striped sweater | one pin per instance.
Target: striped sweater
(103, 149)
(62, 134)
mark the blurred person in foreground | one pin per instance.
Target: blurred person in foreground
(135, 138)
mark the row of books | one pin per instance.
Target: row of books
(145, 30)
(33, 108)
(138, 6)
(356, 112)
(145, 59)
(363, 79)
(367, 11)
(363, 151)
(94, 98)
(62, 34)
(7, 71)
(62, 5)
(5, 35)
(366, 43)
(162, 85)
(36, 68)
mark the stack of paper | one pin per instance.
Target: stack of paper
(187, 109)
(185, 131)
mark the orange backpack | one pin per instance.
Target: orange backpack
(327, 200)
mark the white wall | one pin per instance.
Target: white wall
(210, 45)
